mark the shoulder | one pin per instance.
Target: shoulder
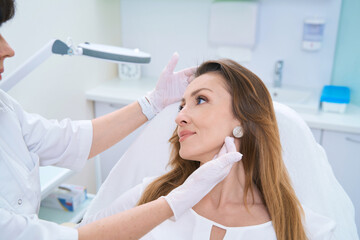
(318, 226)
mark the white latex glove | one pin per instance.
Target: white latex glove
(200, 182)
(170, 86)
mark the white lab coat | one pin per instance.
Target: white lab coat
(28, 141)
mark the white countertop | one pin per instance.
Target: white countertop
(120, 91)
(346, 122)
(124, 92)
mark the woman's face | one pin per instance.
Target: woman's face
(5, 51)
(205, 118)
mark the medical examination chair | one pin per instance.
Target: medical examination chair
(311, 174)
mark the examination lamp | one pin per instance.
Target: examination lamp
(105, 52)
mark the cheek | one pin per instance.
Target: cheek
(205, 145)
(212, 127)
(221, 126)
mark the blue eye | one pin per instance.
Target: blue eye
(200, 100)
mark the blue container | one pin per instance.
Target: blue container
(335, 94)
(335, 98)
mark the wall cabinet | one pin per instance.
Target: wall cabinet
(343, 152)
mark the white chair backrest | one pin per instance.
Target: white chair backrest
(306, 161)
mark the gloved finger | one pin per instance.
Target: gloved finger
(187, 72)
(191, 78)
(224, 148)
(172, 63)
(222, 151)
(228, 159)
(230, 144)
(226, 170)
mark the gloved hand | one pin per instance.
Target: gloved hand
(169, 88)
(200, 182)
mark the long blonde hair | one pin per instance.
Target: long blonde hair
(260, 146)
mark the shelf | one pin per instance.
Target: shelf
(62, 216)
(51, 178)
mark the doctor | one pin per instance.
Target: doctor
(28, 141)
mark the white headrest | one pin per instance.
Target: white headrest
(306, 161)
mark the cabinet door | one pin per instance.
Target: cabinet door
(343, 151)
(110, 157)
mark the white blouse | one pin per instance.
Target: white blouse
(191, 225)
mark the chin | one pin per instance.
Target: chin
(191, 156)
(187, 156)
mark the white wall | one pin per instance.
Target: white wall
(56, 88)
(183, 26)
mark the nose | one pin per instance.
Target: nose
(183, 118)
(5, 49)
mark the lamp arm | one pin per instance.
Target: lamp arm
(104, 52)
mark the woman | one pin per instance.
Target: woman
(28, 141)
(256, 200)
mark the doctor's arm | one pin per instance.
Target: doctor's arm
(131, 224)
(113, 127)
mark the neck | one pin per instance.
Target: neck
(231, 190)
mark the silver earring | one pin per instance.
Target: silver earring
(238, 132)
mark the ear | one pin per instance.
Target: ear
(236, 122)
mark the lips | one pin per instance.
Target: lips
(185, 134)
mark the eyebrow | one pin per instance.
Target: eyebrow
(196, 92)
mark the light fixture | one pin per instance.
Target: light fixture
(104, 52)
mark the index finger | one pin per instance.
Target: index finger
(230, 144)
(188, 73)
(172, 63)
